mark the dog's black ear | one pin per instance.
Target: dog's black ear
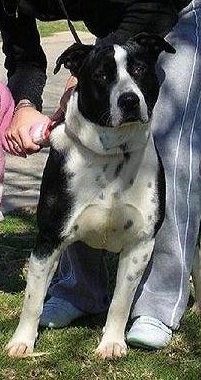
(73, 58)
(154, 43)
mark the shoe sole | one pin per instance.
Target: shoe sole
(139, 344)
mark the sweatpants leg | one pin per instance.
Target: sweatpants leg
(82, 279)
(177, 133)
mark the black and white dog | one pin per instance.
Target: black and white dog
(100, 184)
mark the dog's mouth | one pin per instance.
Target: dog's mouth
(133, 116)
(130, 118)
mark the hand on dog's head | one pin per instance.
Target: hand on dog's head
(74, 57)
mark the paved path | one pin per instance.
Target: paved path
(23, 176)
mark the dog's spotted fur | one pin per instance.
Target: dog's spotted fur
(108, 201)
(101, 181)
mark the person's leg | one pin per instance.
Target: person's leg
(80, 287)
(177, 132)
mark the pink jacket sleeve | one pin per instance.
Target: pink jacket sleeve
(6, 113)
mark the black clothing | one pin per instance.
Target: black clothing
(180, 4)
(111, 20)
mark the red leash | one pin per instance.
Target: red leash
(40, 133)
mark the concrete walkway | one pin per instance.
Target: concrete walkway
(23, 176)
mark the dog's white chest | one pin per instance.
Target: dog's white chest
(112, 202)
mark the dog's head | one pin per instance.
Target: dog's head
(116, 84)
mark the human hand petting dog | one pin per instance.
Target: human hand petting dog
(19, 141)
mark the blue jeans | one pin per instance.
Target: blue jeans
(164, 290)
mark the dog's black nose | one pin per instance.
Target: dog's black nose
(128, 101)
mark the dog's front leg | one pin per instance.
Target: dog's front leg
(39, 276)
(132, 264)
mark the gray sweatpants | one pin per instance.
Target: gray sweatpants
(177, 133)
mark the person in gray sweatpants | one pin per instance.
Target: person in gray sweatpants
(177, 132)
(162, 298)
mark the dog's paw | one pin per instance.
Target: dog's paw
(19, 348)
(111, 350)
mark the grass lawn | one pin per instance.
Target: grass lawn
(48, 28)
(68, 354)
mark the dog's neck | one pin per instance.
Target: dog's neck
(99, 140)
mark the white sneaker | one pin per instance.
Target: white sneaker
(149, 333)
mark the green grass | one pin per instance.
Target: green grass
(49, 28)
(68, 354)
